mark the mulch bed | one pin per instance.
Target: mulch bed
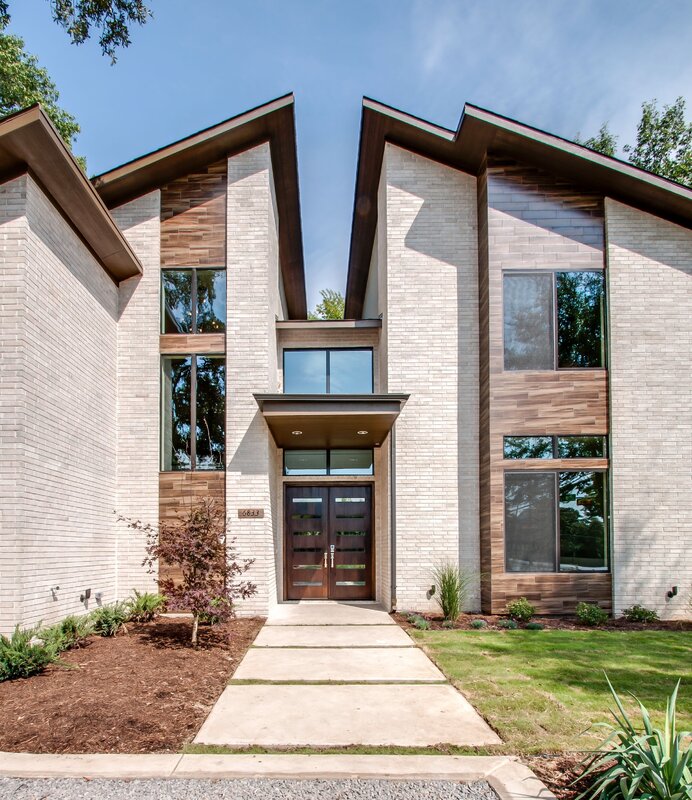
(554, 623)
(561, 774)
(144, 691)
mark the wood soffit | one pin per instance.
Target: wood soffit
(30, 143)
(273, 122)
(481, 132)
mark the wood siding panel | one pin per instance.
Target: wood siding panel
(193, 219)
(186, 344)
(532, 220)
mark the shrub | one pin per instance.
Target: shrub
(521, 610)
(68, 633)
(637, 613)
(478, 624)
(591, 614)
(534, 626)
(508, 624)
(108, 620)
(421, 623)
(21, 656)
(448, 624)
(144, 606)
(644, 762)
(452, 589)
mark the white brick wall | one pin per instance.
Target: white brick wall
(253, 305)
(57, 509)
(138, 388)
(650, 302)
(428, 259)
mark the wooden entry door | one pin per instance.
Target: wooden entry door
(328, 533)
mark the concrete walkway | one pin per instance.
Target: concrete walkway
(335, 674)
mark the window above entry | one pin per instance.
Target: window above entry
(328, 371)
(193, 300)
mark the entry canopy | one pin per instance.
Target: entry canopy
(308, 421)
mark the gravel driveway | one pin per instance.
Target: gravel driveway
(241, 789)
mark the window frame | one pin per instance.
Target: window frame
(555, 472)
(328, 351)
(553, 273)
(193, 299)
(193, 410)
(328, 473)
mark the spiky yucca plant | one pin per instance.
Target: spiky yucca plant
(646, 764)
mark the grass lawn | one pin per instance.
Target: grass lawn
(541, 690)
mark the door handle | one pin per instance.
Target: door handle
(331, 550)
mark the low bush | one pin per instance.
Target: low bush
(144, 606)
(642, 761)
(521, 610)
(591, 614)
(478, 624)
(508, 624)
(448, 624)
(421, 623)
(22, 656)
(452, 589)
(221, 606)
(68, 633)
(637, 613)
(108, 620)
(534, 626)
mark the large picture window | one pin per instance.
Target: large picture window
(553, 320)
(193, 300)
(556, 521)
(326, 371)
(193, 399)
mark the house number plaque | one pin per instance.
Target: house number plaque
(250, 513)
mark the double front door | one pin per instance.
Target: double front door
(329, 543)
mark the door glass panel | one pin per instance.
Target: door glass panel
(530, 522)
(528, 321)
(176, 301)
(349, 499)
(350, 371)
(175, 413)
(583, 541)
(211, 300)
(305, 462)
(351, 462)
(305, 371)
(579, 319)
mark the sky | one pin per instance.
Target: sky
(565, 66)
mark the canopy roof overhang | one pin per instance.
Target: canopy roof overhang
(311, 421)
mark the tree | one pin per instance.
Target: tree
(111, 18)
(196, 543)
(331, 307)
(664, 142)
(604, 142)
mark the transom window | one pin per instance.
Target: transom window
(193, 412)
(328, 371)
(554, 447)
(553, 320)
(193, 300)
(556, 521)
(328, 462)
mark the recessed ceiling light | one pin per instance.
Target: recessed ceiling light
(297, 433)
(362, 433)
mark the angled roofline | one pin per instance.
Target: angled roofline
(272, 122)
(481, 132)
(30, 143)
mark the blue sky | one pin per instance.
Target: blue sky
(561, 65)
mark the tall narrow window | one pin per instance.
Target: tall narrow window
(583, 544)
(528, 321)
(193, 300)
(530, 522)
(193, 395)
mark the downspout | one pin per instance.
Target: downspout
(392, 514)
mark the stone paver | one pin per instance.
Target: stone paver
(339, 715)
(328, 613)
(332, 664)
(332, 636)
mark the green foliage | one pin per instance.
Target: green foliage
(221, 610)
(109, 619)
(421, 623)
(21, 656)
(478, 624)
(604, 142)
(591, 614)
(452, 588)
(664, 142)
(332, 306)
(69, 632)
(534, 626)
(521, 610)
(144, 606)
(507, 624)
(637, 613)
(642, 761)
(447, 624)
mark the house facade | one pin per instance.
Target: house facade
(509, 391)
